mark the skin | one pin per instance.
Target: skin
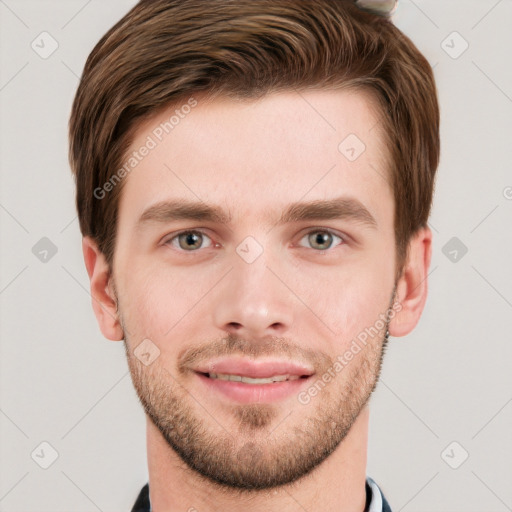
(297, 299)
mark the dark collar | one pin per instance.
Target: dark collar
(142, 504)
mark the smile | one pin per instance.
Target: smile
(252, 380)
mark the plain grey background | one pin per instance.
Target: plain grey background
(441, 420)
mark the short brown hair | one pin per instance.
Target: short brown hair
(163, 51)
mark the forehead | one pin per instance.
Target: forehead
(252, 155)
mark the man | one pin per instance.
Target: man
(254, 180)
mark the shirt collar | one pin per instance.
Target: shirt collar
(376, 500)
(376, 497)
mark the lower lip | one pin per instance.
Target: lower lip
(249, 393)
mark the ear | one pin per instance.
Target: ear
(104, 302)
(412, 287)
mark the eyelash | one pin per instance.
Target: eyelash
(203, 233)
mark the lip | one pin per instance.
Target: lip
(243, 392)
(263, 368)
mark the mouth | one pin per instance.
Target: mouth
(245, 380)
(253, 380)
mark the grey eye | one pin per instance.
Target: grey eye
(321, 239)
(189, 240)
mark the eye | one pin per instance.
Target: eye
(321, 239)
(189, 240)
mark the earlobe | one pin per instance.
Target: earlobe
(412, 287)
(104, 303)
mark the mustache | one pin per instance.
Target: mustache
(268, 346)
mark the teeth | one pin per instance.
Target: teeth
(250, 380)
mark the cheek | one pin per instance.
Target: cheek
(161, 300)
(349, 310)
(349, 297)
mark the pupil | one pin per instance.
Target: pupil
(322, 239)
(191, 241)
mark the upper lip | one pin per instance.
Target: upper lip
(254, 368)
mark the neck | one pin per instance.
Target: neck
(336, 485)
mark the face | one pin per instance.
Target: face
(255, 247)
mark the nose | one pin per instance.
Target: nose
(253, 301)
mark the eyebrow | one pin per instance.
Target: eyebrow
(337, 208)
